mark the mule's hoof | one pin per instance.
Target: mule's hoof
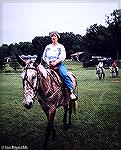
(53, 136)
(67, 126)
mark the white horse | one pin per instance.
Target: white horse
(100, 72)
(113, 71)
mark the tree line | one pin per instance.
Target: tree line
(99, 40)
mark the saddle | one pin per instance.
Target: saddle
(55, 73)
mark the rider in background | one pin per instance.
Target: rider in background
(54, 55)
(115, 65)
(100, 65)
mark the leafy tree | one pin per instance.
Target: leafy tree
(71, 42)
(39, 44)
(114, 29)
(4, 52)
(104, 41)
(14, 64)
(98, 40)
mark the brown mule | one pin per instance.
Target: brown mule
(46, 86)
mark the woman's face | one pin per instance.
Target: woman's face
(54, 38)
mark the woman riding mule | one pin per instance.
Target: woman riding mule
(45, 85)
(54, 55)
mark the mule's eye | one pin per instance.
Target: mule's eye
(33, 77)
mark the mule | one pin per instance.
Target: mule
(100, 73)
(113, 71)
(45, 85)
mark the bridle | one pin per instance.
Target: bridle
(30, 84)
(39, 77)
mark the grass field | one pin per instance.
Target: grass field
(95, 126)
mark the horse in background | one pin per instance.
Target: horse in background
(45, 85)
(100, 72)
(113, 71)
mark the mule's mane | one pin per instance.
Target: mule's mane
(42, 70)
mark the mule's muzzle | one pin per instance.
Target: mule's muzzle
(28, 106)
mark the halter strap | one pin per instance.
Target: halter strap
(25, 79)
(39, 76)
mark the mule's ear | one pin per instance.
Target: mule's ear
(44, 63)
(20, 60)
(37, 61)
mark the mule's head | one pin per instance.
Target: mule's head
(29, 77)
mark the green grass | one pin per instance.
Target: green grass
(95, 126)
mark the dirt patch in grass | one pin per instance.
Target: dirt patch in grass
(117, 81)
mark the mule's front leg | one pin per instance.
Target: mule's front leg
(49, 128)
(50, 125)
(48, 131)
(47, 135)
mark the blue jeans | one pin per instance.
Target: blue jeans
(64, 75)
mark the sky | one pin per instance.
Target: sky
(22, 22)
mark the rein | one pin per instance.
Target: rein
(45, 97)
(39, 77)
(52, 79)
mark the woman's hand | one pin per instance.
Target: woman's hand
(52, 63)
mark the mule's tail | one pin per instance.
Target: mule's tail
(75, 106)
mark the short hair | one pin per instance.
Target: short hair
(54, 32)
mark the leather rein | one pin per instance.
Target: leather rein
(39, 76)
